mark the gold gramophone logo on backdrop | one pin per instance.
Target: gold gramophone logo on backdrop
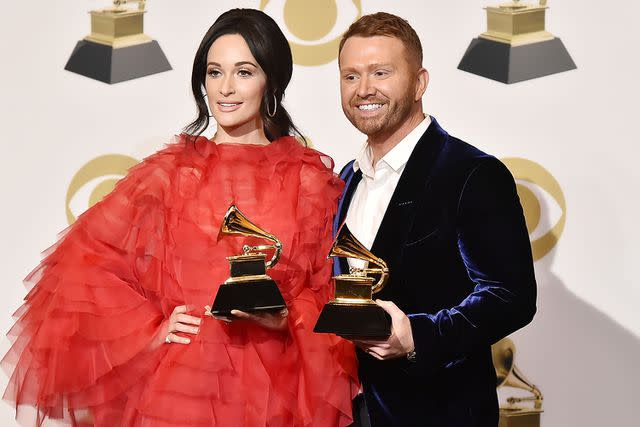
(117, 48)
(516, 45)
(313, 28)
(543, 202)
(523, 411)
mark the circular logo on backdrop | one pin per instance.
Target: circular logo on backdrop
(313, 28)
(543, 203)
(95, 180)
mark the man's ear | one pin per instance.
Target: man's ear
(422, 81)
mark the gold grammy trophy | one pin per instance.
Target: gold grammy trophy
(249, 288)
(117, 48)
(513, 414)
(516, 45)
(353, 314)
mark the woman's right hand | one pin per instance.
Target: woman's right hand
(180, 321)
(273, 321)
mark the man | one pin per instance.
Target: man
(447, 219)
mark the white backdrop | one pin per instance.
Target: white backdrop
(583, 347)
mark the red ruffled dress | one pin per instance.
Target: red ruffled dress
(85, 335)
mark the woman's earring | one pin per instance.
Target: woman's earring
(204, 95)
(275, 106)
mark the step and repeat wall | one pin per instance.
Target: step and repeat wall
(570, 139)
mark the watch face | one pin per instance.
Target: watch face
(411, 355)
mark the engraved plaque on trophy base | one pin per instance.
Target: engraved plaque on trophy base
(511, 64)
(354, 321)
(519, 418)
(113, 65)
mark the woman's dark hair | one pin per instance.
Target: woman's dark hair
(269, 47)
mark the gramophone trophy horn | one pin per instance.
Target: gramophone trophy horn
(513, 414)
(235, 222)
(352, 313)
(248, 288)
(347, 246)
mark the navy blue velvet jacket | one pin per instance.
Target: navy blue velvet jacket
(455, 240)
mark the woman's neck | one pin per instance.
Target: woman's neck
(249, 133)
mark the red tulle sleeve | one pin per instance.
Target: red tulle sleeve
(329, 368)
(84, 334)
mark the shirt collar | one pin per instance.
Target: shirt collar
(363, 160)
(397, 157)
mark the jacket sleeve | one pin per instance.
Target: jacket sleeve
(495, 248)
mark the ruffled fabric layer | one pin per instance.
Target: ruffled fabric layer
(87, 345)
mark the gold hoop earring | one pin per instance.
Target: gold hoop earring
(275, 106)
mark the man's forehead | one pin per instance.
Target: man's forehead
(372, 42)
(368, 51)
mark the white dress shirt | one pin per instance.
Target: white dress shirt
(371, 198)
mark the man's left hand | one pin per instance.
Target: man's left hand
(399, 343)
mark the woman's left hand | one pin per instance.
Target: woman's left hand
(274, 321)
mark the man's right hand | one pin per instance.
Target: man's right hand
(399, 344)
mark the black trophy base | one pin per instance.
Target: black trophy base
(109, 65)
(361, 321)
(250, 297)
(512, 64)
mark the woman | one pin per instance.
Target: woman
(112, 332)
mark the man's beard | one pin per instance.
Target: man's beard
(386, 123)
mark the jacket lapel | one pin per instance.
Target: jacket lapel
(399, 216)
(351, 178)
